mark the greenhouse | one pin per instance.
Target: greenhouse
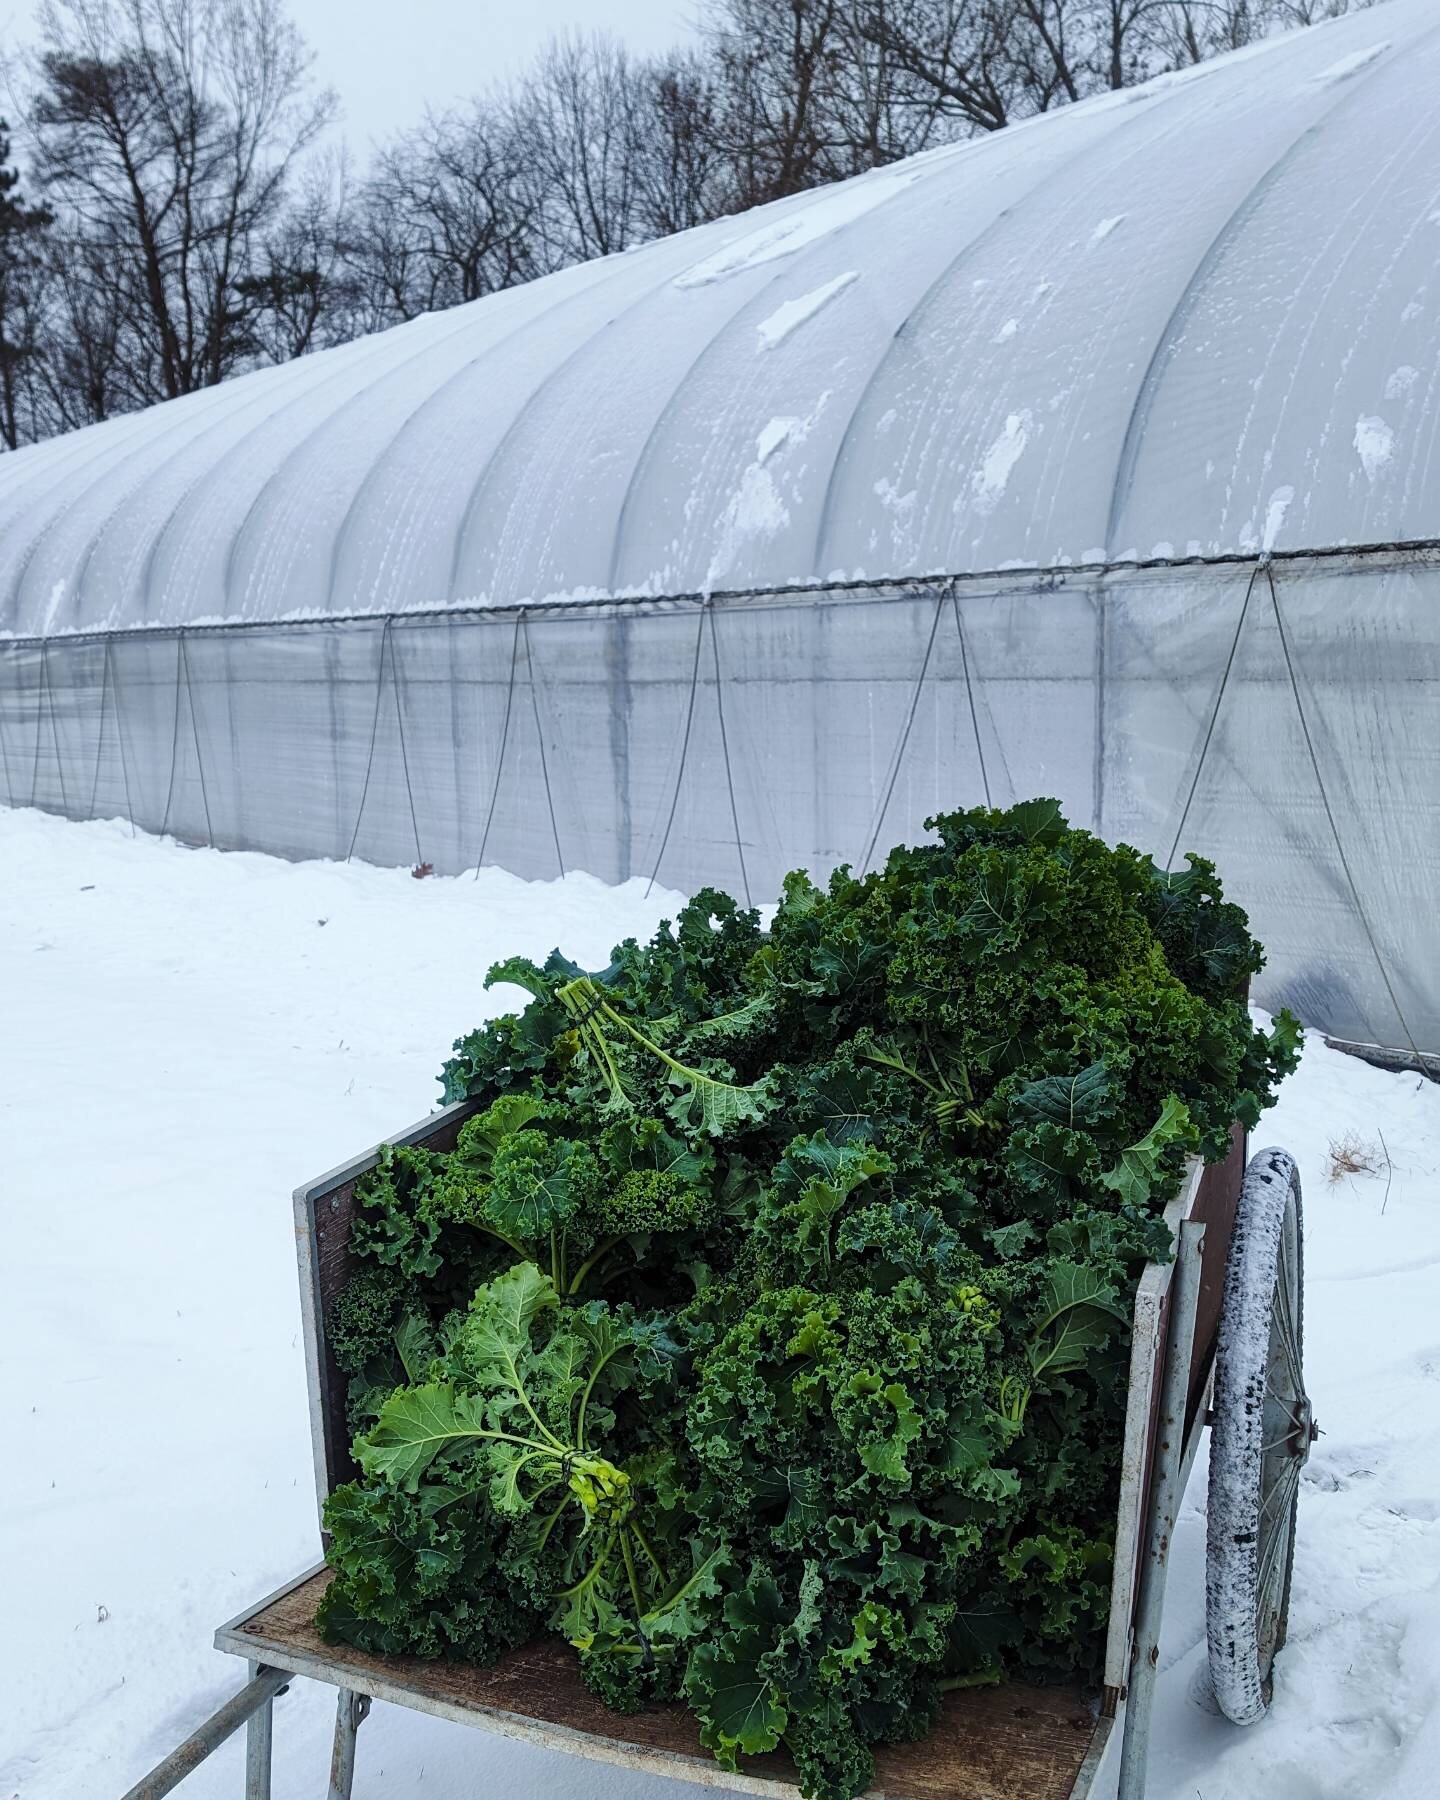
(1098, 458)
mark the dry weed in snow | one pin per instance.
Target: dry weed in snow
(1353, 1155)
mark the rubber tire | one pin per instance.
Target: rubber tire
(1240, 1671)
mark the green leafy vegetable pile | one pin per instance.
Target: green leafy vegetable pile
(765, 1334)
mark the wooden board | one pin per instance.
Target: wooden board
(1007, 1743)
(324, 1216)
(1215, 1207)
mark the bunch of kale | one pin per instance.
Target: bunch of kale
(766, 1332)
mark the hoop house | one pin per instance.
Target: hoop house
(1096, 457)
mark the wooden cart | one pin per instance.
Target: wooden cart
(1230, 1296)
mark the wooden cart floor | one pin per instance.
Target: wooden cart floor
(1007, 1743)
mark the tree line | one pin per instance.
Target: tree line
(185, 211)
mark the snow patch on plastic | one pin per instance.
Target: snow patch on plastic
(1374, 444)
(1350, 65)
(758, 508)
(805, 225)
(989, 481)
(794, 313)
(1401, 381)
(1275, 515)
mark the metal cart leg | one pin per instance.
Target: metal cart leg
(259, 1735)
(1165, 1499)
(254, 1697)
(349, 1712)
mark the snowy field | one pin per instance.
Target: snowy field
(187, 1035)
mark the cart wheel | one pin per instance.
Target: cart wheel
(1261, 1431)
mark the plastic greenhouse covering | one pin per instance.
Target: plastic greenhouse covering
(1097, 458)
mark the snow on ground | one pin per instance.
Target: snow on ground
(187, 1035)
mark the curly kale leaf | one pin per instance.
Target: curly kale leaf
(361, 1321)
(812, 1184)
(533, 1182)
(1206, 939)
(1075, 1102)
(1079, 1314)
(1138, 1172)
(393, 1223)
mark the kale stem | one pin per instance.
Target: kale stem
(626, 1552)
(644, 1544)
(590, 1262)
(617, 1086)
(976, 1678)
(509, 1437)
(550, 1523)
(570, 996)
(500, 1236)
(585, 1396)
(544, 1430)
(649, 1043)
(903, 1068)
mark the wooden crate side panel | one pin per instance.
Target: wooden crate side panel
(1216, 1205)
(324, 1219)
(1212, 1198)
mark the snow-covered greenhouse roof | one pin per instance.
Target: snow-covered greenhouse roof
(1196, 317)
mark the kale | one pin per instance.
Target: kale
(765, 1334)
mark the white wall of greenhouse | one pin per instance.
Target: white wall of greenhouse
(696, 530)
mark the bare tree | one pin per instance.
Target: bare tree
(301, 292)
(22, 260)
(962, 51)
(578, 120)
(682, 175)
(773, 59)
(166, 132)
(93, 367)
(447, 214)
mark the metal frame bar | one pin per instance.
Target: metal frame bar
(1147, 1351)
(253, 1698)
(351, 1709)
(259, 1745)
(1401, 554)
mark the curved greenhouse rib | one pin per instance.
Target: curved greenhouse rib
(152, 471)
(940, 284)
(552, 375)
(71, 450)
(316, 431)
(215, 470)
(438, 392)
(673, 405)
(1129, 457)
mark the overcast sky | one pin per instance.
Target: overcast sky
(388, 59)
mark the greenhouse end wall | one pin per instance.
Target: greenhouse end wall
(1295, 730)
